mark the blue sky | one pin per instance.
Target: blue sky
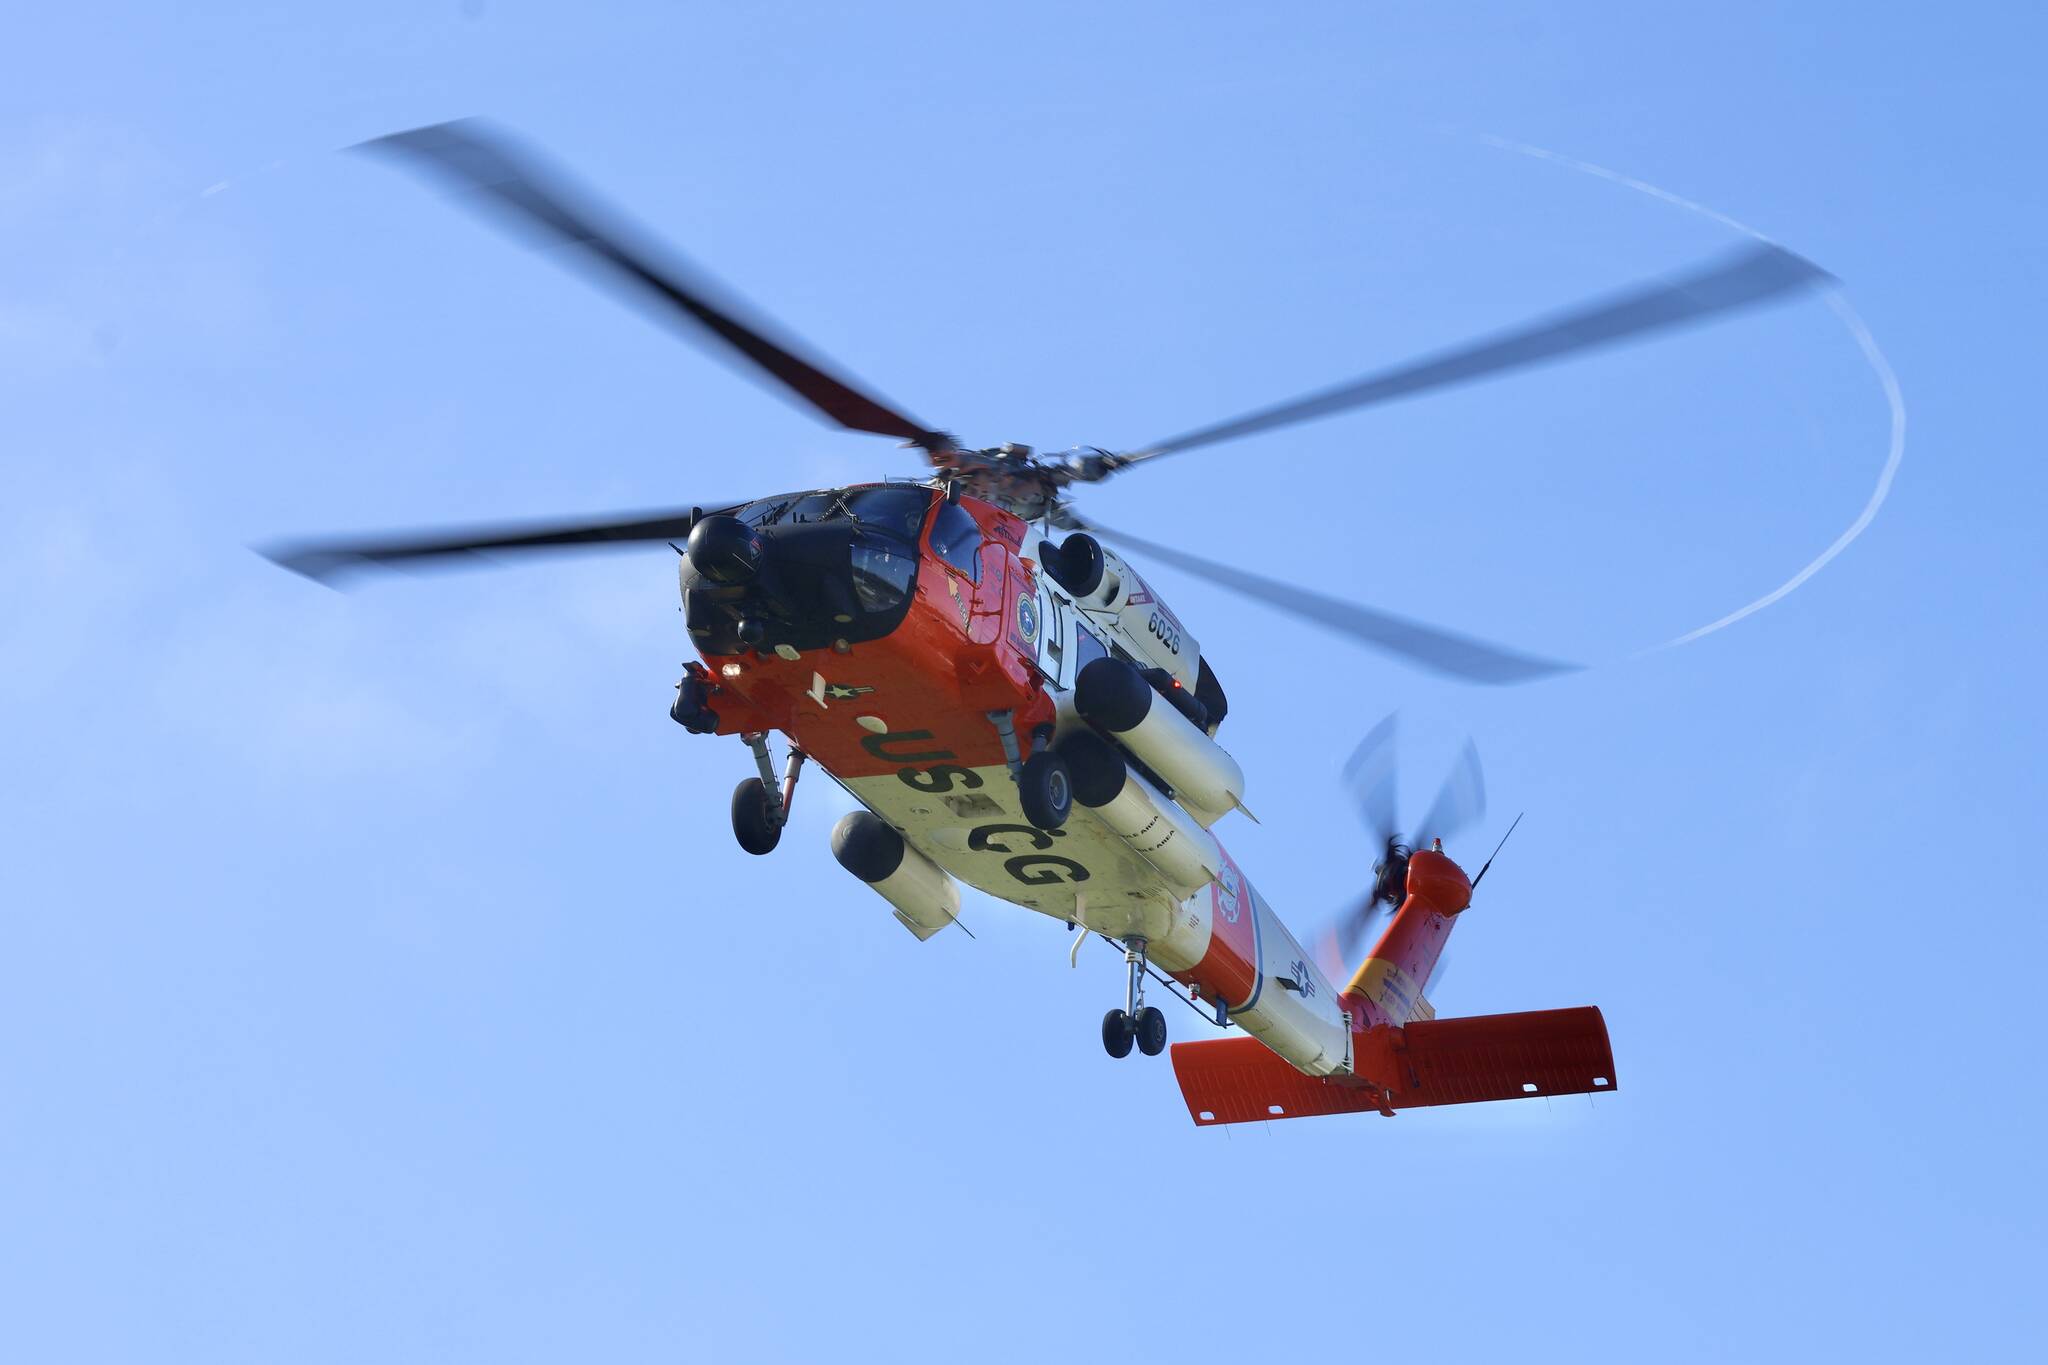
(381, 980)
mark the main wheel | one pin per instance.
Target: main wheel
(1046, 789)
(753, 820)
(1116, 1033)
(1150, 1026)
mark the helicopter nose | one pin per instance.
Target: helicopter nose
(725, 550)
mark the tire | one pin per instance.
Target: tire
(1151, 1030)
(753, 823)
(1046, 789)
(1117, 1034)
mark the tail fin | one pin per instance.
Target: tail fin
(1388, 987)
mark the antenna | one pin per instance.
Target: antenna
(1496, 851)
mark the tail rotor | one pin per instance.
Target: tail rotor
(1372, 774)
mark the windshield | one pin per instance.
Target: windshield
(893, 509)
(886, 519)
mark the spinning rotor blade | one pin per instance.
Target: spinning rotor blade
(325, 560)
(1439, 651)
(1435, 980)
(1353, 928)
(1459, 802)
(1373, 776)
(1749, 277)
(474, 158)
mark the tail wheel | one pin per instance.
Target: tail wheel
(753, 819)
(1046, 789)
(1150, 1027)
(1118, 1033)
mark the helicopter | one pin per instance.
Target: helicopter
(1015, 708)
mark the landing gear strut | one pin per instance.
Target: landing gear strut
(760, 807)
(1044, 787)
(1137, 1022)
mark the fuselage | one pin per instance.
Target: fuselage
(895, 698)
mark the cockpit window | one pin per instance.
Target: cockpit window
(810, 507)
(893, 509)
(767, 511)
(956, 538)
(887, 519)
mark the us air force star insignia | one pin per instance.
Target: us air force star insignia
(842, 692)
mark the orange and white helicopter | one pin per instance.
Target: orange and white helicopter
(1017, 709)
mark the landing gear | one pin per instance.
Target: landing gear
(1045, 789)
(1137, 1022)
(755, 823)
(1044, 786)
(1151, 1027)
(760, 807)
(1117, 1033)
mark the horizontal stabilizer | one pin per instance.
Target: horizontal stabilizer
(1438, 1061)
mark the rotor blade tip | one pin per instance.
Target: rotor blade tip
(316, 566)
(424, 137)
(1802, 269)
(1525, 671)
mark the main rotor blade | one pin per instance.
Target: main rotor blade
(1751, 276)
(328, 559)
(1460, 801)
(1438, 651)
(470, 155)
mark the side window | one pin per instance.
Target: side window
(1087, 649)
(957, 539)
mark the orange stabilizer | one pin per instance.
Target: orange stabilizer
(1439, 1061)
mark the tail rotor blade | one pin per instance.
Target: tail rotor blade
(1373, 775)
(1436, 973)
(1459, 802)
(1354, 930)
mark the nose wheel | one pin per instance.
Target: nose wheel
(756, 823)
(1137, 1022)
